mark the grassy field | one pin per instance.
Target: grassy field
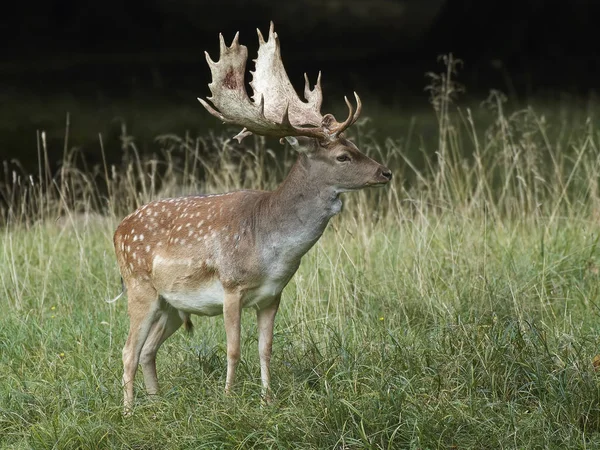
(457, 308)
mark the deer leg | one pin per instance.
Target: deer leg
(142, 309)
(232, 312)
(169, 321)
(266, 320)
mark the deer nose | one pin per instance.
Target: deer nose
(385, 172)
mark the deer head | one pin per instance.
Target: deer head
(276, 110)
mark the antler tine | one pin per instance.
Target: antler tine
(213, 111)
(236, 40)
(346, 123)
(358, 108)
(208, 59)
(271, 29)
(261, 105)
(285, 120)
(315, 94)
(222, 45)
(261, 39)
(306, 85)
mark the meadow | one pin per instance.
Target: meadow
(456, 308)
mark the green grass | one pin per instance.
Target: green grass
(457, 308)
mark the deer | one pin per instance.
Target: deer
(213, 254)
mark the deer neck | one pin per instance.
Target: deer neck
(299, 209)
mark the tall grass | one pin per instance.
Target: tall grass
(456, 308)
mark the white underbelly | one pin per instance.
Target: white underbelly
(208, 299)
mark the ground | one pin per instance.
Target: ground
(456, 308)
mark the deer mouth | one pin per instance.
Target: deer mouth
(382, 181)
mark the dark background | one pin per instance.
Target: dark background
(99, 60)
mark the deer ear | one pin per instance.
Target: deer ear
(292, 141)
(301, 144)
(328, 123)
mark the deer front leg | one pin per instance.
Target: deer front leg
(266, 320)
(232, 312)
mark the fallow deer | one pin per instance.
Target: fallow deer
(217, 254)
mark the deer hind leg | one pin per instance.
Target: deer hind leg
(169, 320)
(142, 309)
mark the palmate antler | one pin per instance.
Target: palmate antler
(275, 109)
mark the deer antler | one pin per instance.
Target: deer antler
(275, 109)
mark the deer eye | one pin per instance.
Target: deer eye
(343, 158)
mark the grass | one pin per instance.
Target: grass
(457, 308)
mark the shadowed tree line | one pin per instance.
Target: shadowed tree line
(142, 63)
(537, 43)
